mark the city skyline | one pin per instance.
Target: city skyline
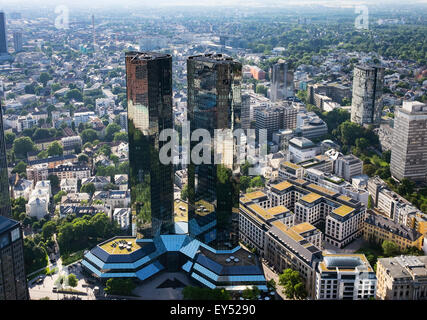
(126, 172)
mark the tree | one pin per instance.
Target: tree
(334, 118)
(23, 145)
(55, 149)
(72, 280)
(369, 169)
(120, 286)
(44, 78)
(251, 293)
(88, 188)
(88, 135)
(244, 183)
(256, 182)
(386, 156)
(294, 288)
(83, 158)
(121, 136)
(406, 187)
(48, 229)
(271, 284)
(184, 192)
(74, 94)
(370, 202)
(35, 255)
(54, 181)
(245, 168)
(9, 137)
(111, 129)
(57, 197)
(261, 89)
(390, 249)
(42, 154)
(123, 168)
(21, 167)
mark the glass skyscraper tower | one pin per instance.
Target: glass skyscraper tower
(4, 182)
(214, 102)
(3, 38)
(149, 98)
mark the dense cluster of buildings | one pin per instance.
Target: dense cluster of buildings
(314, 197)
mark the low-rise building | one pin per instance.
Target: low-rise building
(99, 181)
(71, 141)
(283, 250)
(302, 149)
(342, 216)
(402, 278)
(122, 217)
(113, 198)
(311, 125)
(345, 277)
(69, 185)
(348, 166)
(379, 228)
(70, 171)
(290, 170)
(121, 180)
(129, 257)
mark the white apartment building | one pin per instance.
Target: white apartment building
(345, 277)
(290, 170)
(302, 149)
(71, 141)
(122, 217)
(69, 185)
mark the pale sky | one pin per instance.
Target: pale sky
(157, 3)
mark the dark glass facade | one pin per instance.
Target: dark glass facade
(214, 102)
(4, 182)
(149, 98)
(3, 39)
(13, 281)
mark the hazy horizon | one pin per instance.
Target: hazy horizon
(201, 3)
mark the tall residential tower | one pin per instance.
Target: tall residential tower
(282, 81)
(214, 102)
(149, 97)
(4, 181)
(368, 83)
(3, 38)
(409, 150)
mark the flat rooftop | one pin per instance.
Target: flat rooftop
(147, 55)
(345, 262)
(282, 185)
(245, 258)
(303, 227)
(311, 197)
(255, 195)
(343, 210)
(212, 57)
(261, 212)
(203, 208)
(180, 210)
(291, 165)
(112, 246)
(6, 224)
(344, 198)
(324, 190)
(277, 210)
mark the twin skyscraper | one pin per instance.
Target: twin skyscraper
(214, 102)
